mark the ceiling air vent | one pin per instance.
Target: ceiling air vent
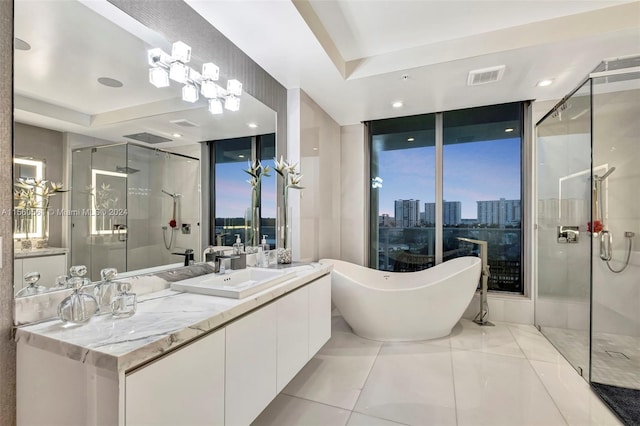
(485, 75)
(147, 138)
(184, 123)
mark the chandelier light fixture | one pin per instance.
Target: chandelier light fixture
(165, 67)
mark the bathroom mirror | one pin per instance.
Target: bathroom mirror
(127, 152)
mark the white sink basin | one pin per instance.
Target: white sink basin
(234, 284)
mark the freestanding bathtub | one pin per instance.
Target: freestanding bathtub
(404, 306)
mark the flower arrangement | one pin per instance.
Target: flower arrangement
(291, 179)
(257, 172)
(102, 200)
(33, 197)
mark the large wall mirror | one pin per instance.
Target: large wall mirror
(126, 153)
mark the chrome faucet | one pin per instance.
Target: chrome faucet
(188, 256)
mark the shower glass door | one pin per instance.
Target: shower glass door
(99, 206)
(615, 345)
(563, 239)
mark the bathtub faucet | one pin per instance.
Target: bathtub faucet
(481, 318)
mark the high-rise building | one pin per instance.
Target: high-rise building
(451, 213)
(430, 213)
(407, 213)
(499, 212)
(386, 220)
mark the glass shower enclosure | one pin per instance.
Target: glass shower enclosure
(133, 207)
(588, 228)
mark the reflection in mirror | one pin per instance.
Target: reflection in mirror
(85, 108)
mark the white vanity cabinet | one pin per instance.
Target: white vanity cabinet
(250, 365)
(226, 376)
(49, 267)
(183, 388)
(293, 335)
(319, 313)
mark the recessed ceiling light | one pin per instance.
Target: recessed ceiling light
(315, 148)
(397, 104)
(110, 82)
(20, 44)
(544, 83)
(411, 139)
(508, 129)
(177, 135)
(252, 125)
(240, 155)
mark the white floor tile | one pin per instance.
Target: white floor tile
(410, 383)
(500, 390)
(498, 339)
(534, 344)
(579, 405)
(358, 419)
(289, 411)
(336, 375)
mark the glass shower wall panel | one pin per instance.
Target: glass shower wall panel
(563, 241)
(99, 195)
(152, 239)
(81, 207)
(616, 296)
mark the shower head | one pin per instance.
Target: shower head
(604, 176)
(126, 169)
(174, 195)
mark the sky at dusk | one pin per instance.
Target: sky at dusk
(233, 192)
(473, 171)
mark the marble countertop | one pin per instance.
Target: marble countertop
(49, 251)
(164, 320)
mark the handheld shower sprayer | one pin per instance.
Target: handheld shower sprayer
(172, 223)
(606, 237)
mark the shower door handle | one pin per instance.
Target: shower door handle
(606, 241)
(122, 232)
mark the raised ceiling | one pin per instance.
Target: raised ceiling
(351, 56)
(73, 44)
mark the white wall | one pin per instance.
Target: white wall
(353, 212)
(314, 142)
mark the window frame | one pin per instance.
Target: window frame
(526, 194)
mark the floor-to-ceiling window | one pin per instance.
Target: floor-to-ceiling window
(402, 183)
(231, 195)
(418, 214)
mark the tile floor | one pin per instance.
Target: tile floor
(616, 357)
(503, 375)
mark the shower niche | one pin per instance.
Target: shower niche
(120, 214)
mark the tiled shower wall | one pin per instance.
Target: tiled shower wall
(616, 297)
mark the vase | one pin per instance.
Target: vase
(43, 242)
(252, 227)
(283, 252)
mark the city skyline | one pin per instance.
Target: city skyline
(473, 171)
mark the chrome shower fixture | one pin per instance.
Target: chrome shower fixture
(604, 176)
(174, 195)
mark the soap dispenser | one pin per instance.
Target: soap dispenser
(264, 246)
(238, 247)
(32, 288)
(78, 307)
